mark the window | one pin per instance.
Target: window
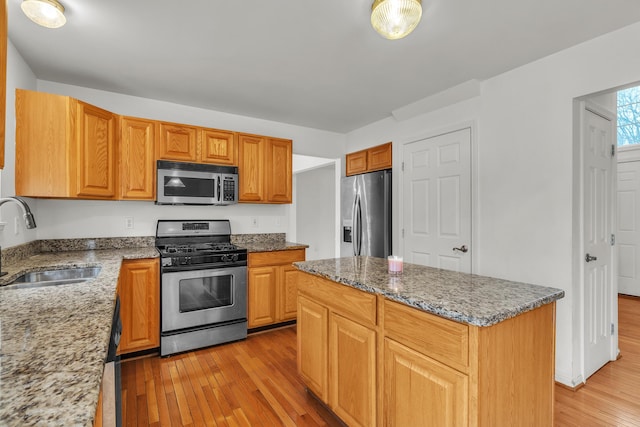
(629, 116)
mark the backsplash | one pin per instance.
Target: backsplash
(16, 253)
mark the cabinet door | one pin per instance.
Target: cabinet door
(262, 296)
(312, 346)
(139, 290)
(352, 370)
(218, 147)
(279, 170)
(96, 162)
(418, 391)
(288, 293)
(356, 163)
(379, 157)
(177, 142)
(137, 159)
(251, 160)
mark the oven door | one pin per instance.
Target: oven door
(203, 297)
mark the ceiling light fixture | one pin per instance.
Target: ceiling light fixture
(48, 13)
(395, 19)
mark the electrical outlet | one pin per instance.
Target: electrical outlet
(16, 225)
(128, 222)
(254, 221)
(278, 221)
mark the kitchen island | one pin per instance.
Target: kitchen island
(425, 347)
(53, 340)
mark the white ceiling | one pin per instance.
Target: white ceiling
(311, 63)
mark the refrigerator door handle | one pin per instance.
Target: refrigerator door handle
(357, 227)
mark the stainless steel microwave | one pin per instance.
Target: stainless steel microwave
(196, 184)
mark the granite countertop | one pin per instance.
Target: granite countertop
(272, 246)
(466, 298)
(53, 340)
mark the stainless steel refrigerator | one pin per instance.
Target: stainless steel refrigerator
(366, 214)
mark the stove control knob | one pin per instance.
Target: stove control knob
(234, 257)
(225, 258)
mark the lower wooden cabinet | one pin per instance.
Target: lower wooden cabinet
(352, 371)
(376, 362)
(412, 381)
(272, 283)
(313, 326)
(139, 290)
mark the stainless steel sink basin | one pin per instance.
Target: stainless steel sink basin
(54, 277)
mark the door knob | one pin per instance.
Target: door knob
(590, 258)
(462, 249)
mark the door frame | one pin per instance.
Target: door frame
(398, 185)
(578, 316)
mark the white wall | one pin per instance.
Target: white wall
(18, 75)
(67, 219)
(524, 213)
(315, 213)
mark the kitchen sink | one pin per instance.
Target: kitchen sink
(36, 279)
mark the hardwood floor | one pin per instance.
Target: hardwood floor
(611, 396)
(246, 383)
(255, 383)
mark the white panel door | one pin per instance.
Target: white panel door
(437, 201)
(598, 201)
(628, 232)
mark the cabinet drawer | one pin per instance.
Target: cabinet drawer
(441, 339)
(261, 259)
(349, 302)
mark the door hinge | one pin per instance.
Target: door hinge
(613, 150)
(403, 233)
(613, 329)
(402, 167)
(613, 239)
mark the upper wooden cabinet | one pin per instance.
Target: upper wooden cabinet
(64, 147)
(265, 169)
(137, 159)
(177, 142)
(369, 160)
(218, 147)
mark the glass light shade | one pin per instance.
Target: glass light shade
(48, 13)
(395, 19)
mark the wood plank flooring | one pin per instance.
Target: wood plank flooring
(611, 396)
(246, 383)
(255, 383)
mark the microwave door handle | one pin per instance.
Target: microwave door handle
(218, 188)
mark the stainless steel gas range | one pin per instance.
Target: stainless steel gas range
(203, 285)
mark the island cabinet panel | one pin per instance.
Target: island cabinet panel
(137, 159)
(438, 338)
(64, 148)
(426, 370)
(177, 142)
(516, 368)
(313, 326)
(139, 290)
(419, 391)
(272, 282)
(218, 147)
(352, 371)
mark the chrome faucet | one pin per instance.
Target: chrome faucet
(29, 220)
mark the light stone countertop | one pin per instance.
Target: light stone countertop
(53, 340)
(272, 246)
(466, 298)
